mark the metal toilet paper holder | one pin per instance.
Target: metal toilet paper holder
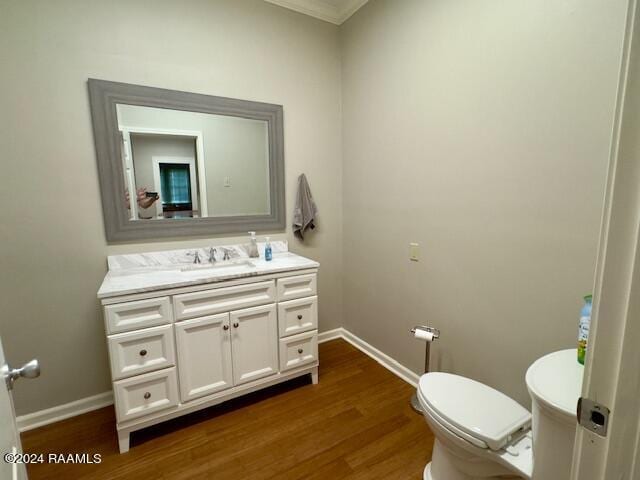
(415, 403)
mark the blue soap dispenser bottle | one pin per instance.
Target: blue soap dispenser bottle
(268, 253)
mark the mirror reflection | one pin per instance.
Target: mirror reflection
(180, 164)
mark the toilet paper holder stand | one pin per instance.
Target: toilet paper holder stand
(415, 403)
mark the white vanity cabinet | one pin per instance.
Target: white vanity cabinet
(180, 349)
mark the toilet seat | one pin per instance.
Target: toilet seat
(493, 439)
(465, 436)
(477, 413)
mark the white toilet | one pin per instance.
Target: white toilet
(481, 433)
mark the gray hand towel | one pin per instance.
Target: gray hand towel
(305, 213)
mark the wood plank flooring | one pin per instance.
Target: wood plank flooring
(355, 424)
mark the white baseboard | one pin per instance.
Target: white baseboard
(330, 335)
(62, 412)
(382, 358)
(84, 405)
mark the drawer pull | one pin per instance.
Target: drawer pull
(143, 352)
(299, 317)
(147, 396)
(300, 350)
(225, 327)
(236, 325)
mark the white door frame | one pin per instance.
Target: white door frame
(129, 174)
(202, 175)
(612, 367)
(157, 160)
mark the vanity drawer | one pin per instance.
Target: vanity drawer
(297, 287)
(145, 394)
(298, 350)
(123, 317)
(198, 304)
(296, 316)
(134, 353)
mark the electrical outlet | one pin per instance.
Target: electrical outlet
(414, 252)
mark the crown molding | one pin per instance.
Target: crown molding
(351, 7)
(321, 9)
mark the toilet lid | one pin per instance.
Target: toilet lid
(474, 408)
(555, 380)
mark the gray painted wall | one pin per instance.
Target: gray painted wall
(53, 255)
(480, 130)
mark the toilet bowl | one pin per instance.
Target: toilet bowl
(480, 433)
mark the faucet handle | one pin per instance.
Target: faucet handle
(212, 255)
(196, 256)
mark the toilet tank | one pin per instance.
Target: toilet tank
(554, 383)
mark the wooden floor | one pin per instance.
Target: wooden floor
(355, 424)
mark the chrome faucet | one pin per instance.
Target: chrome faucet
(227, 255)
(212, 255)
(196, 257)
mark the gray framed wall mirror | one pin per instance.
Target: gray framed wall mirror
(175, 164)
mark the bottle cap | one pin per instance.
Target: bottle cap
(588, 297)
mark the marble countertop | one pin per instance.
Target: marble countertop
(147, 272)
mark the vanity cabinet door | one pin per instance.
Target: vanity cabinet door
(254, 343)
(204, 356)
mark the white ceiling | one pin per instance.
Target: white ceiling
(334, 11)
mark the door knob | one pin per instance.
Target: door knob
(28, 370)
(236, 325)
(225, 327)
(299, 317)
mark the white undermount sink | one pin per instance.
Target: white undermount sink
(218, 265)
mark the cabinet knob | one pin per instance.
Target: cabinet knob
(236, 325)
(300, 350)
(147, 396)
(225, 327)
(143, 352)
(299, 317)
